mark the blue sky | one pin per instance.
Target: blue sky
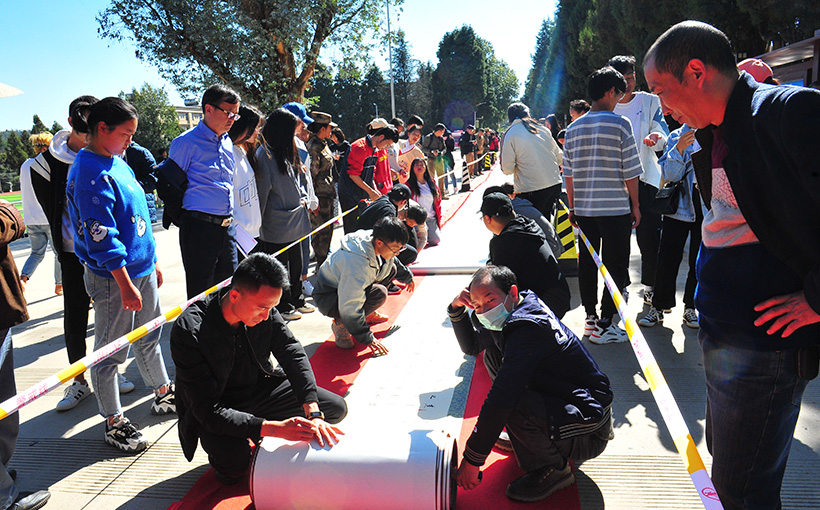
(51, 51)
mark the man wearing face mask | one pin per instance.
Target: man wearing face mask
(547, 389)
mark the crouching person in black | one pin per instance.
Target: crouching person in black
(227, 388)
(547, 390)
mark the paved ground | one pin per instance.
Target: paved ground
(640, 469)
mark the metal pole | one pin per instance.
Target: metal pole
(377, 110)
(390, 57)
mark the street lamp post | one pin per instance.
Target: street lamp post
(377, 110)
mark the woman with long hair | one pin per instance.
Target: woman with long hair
(244, 134)
(283, 200)
(113, 238)
(423, 190)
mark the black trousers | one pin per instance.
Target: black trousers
(648, 233)
(292, 298)
(610, 236)
(544, 199)
(75, 304)
(274, 399)
(208, 253)
(670, 254)
(350, 222)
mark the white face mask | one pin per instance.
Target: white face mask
(494, 318)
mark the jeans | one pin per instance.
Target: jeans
(529, 430)
(40, 236)
(75, 304)
(753, 400)
(274, 399)
(110, 323)
(208, 253)
(648, 233)
(11, 425)
(291, 258)
(610, 236)
(670, 253)
(544, 199)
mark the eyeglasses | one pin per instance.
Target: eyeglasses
(231, 115)
(395, 251)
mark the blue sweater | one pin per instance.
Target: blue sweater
(110, 216)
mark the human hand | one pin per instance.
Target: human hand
(571, 217)
(377, 348)
(292, 429)
(159, 274)
(373, 194)
(468, 476)
(131, 298)
(326, 434)
(411, 286)
(463, 299)
(652, 139)
(791, 312)
(685, 140)
(636, 215)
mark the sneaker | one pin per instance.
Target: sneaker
(292, 315)
(343, 338)
(393, 289)
(73, 395)
(125, 436)
(503, 442)
(612, 334)
(647, 297)
(125, 385)
(690, 318)
(164, 403)
(653, 317)
(590, 324)
(307, 288)
(376, 318)
(540, 484)
(31, 500)
(306, 308)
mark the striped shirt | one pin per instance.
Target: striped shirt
(600, 156)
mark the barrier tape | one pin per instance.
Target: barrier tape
(660, 391)
(15, 403)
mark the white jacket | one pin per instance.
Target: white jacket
(533, 159)
(651, 122)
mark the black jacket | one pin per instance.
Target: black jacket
(203, 345)
(522, 247)
(540, 354)
(773, 166)
(382, 207)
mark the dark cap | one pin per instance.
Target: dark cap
(399, 192)
(323, 118)
(299, 110)
(496, 204)
(469, 126)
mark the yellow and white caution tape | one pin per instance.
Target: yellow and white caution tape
(660, 391)
(15, 403)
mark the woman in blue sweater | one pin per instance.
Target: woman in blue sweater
(113, 238)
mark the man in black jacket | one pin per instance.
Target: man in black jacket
(226, 386)
(520, 244)
(547, 390)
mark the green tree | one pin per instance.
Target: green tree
(37, 126)
(502, 89)
(266, 50)
(374, 93)
(535, 92)
(322, 94)
(158, 123)
(347, 85)
(459, 81)
(404, 74)
(56, 127)
(16, 151)
(421, 95)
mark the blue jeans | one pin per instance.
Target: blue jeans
(11, 425)
(110, 323)
(753, 400)
(40, 236)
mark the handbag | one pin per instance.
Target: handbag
(668, 197)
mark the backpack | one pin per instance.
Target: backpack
(172, 181)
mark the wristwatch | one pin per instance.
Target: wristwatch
(316, 414)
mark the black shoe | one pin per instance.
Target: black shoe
(13, 474)
(393, 289)
(31, 500)
(540, 484)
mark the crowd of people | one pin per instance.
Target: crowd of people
(256, 186)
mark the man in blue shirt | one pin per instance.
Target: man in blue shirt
(205, 152)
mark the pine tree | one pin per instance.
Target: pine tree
(404, 73)
(56, 127)
(38, 126)
(459, 81)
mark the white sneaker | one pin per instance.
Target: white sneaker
(690, 318)
(307, 288)
(611, 335)
(652, 318)
(125, 436)
(73, 395)
(125, 385)
(306, 308)
(292, 315)
(590, 324)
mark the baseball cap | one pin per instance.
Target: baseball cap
(399, 192)
(757, 68)
(299, 110)
(495, 204)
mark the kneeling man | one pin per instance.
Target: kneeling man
(547, 390)
(227, 388)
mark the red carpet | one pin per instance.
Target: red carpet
(336, 370)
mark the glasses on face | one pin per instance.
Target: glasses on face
(395, 251)
(231, 115)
